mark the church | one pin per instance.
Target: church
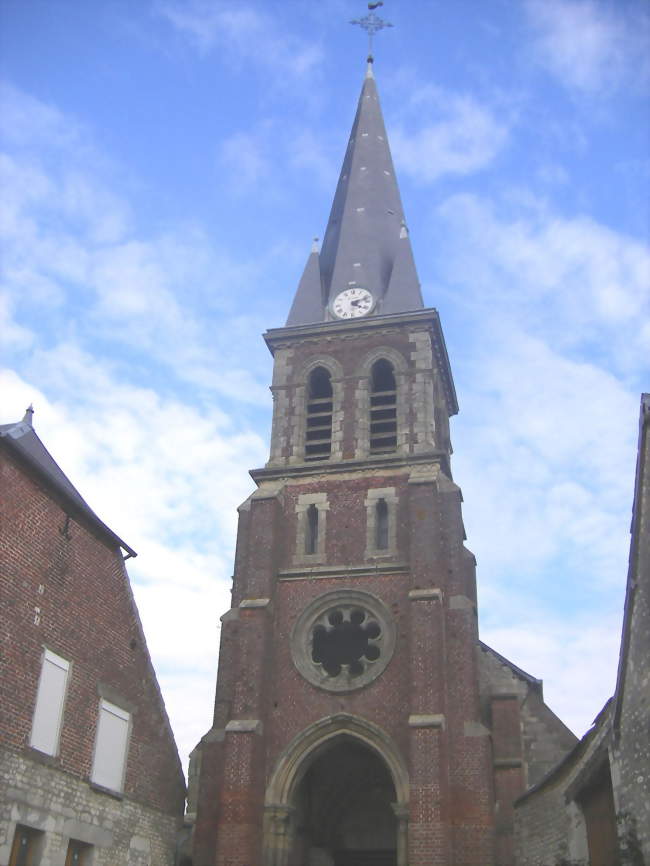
(359, 720)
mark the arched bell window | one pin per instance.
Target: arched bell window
(318, 436)
(383, 408)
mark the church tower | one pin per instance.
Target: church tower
(348, 726)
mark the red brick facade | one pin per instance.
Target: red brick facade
(354, 702)
(426, 701)
(65, 589)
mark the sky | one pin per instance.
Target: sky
(165, 165)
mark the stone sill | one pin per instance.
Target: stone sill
(100, 789)
(318, 571)
(43, 757)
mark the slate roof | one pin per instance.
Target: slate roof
(518, 672)
(22, 440)
(366, 242)
(637, 592)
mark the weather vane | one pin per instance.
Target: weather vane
(372, 24)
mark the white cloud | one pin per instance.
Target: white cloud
(245, 161)
(167, 477)
(576, 658)
(571, 278)
(113, 332)
(545, 459)
(591, 46)
(549, 391)
(465, 137)
(306, 154)
(14, 336)
(31, 123)
(70, 246)
(241, 33)
(549, 362)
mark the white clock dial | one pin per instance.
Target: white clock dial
(352, 303)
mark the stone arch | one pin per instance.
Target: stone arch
(297, 757)
(396, 358)
(331, 365)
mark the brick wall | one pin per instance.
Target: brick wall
(65, 588)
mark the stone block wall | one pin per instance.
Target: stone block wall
(549, 823)
(63, 807)
(527, 739)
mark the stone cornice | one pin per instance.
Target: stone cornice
(387, 465)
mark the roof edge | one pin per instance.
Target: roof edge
(536, 683)
(633, 561)
(73, 508)
(579, 748)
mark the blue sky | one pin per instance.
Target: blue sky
(165, 166)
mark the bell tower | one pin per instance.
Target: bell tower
(347, 726)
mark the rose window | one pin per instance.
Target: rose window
(346, 637)
(343, 640)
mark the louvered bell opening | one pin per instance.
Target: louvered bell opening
(383, 422)
(318, 436)
(383, 409)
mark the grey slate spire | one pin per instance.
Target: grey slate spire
(308, 303)
(365, 242)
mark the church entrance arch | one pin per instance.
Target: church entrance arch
(338, 796)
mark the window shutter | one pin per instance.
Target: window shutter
(46, 726)
(110, 746)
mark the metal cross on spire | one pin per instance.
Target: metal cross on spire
(372, 24)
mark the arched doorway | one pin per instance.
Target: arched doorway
(343, 809)
(338, 796)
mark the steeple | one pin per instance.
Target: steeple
(366, 244)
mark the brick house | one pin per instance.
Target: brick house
(594, 806)
(358, 719)
(89, 768)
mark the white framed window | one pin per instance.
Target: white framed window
(50, 698)
(111, 746)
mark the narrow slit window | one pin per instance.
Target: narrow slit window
(383, 408)
(318, 436)
(311, 535)
(381, 525)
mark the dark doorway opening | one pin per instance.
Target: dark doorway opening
(344, 814)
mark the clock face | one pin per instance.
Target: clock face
(352, 303)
